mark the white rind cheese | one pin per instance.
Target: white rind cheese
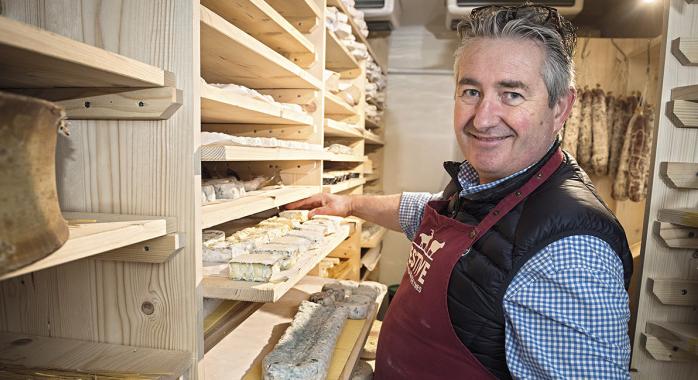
(305, 350)
(222, 251)
(299, 215)
(362, 371)
(255, 267)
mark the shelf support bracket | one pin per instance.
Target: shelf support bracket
(154, 251)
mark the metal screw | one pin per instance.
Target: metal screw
(87, 104)
(684, 292)
(141, 104)
(146, 248)
(147, 308)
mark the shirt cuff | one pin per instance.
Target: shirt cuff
(411, 211)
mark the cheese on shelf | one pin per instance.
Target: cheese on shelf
(255, 267)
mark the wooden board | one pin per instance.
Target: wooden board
(341, 158)
(371, 257)
(229, 55)
(249, 153)
(682, 175)
(224, 288)
(303, 14)
(26, 355)
(222, 211)
(226, 318)
(339, 59)
(370, 124)
(337, 107)
(257, 335)
(221, 106)
(335, 128)
(372, 177)
(343, 186)
(35, 58)
(372, 138)
(675, 291)
(258, 19)
(685, 93)
(675, 236)
(685, 49)
(664, 351)
(375, 239)
(681, 335)
(684, 113)
(683, 216)
(155, 251)
(98, 233)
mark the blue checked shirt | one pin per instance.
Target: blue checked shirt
(566, 311)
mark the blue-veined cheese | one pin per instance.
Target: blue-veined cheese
(255, 267)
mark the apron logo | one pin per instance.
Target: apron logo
(420, 255)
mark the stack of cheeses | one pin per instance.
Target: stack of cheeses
(338, 23)
(229, 188)
(375, 91)
(259, 253)
(217, 138)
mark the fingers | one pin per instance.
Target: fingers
(323, 211)
(305, 204)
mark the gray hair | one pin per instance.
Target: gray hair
(540, 24)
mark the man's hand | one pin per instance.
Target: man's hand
(324, 204)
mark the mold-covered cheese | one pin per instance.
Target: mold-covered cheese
(255, 267)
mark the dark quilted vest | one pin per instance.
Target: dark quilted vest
(567, 204)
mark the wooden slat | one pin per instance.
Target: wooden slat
(335, 128)
(344, 185)
(224, 288)
(341, 158)
(155, 251)
(372, 177)
(339, 59)
(682, 175)
(229, 55)
(261, 21)
(303, 14)
(228, 316)
(683, 216)
(685, 49)
(248, 153)
(664, 351)
(35, 58)
(681, 335)
(99, 233)
(337, 107)
(371, 257)
(685, 93)
(676, 236)
(27, 356)
(684, 113)
(375, 239)
(372, 138)
(675, 292)
(279, 131)
(370, 124)
(221, 106)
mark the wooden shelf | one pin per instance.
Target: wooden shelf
(675, 236)
(682, 216)
(375, 239)
(249, 153)
(336, 106)
(357, 32)
(339, 59)
(370, 124)
(258, 334)
(685, 49)
(256, 201)
(372, 138)
(35, 58)
(262, 22)
(681, 175)
(685, 93)
(675, 291)
(225, 288)
(99, 233)
(344, 185)
(303, 14)
(26, 356)
(684, 113)
(335, 128)
(332, 157)
(371, 257)
(229, 55)
(372, 177)
(221, 106)
(681, 335)
(666, 352)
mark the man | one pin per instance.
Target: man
(517, 269)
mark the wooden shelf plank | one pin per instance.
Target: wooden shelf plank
(684, 113)
(370, 124)
(221, 106)
(664, 351)
(357, 32)
(371, 257)
(372, 138)
(154, 251)
(35, 58)
(332, 157)
(681, 335)
(228, 316)
(681, 175)
(303, 14)
(343, 186)
(25, 356)
(675, 236)
(675, 291)
(682, 216)
(685, 93)
(248, 153)
(335, 128)
(225, 288)
(258, 334)
(375, 239)
(256, 201)
(229, 55)
(339, 59)
(99, 233)
(264, 23)
(336, 106)
(685, 49)
(372, 177)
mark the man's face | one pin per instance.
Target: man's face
(501, 116)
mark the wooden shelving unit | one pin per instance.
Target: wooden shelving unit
(337, 107)
(226, 53)
(92, 234)
(344, 186)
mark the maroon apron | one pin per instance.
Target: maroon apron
(417, 340)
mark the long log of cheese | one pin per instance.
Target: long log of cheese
(650, 112)
(305, 349)
(620, 184)
(599, 151)
(570, 137)
(618, 134)
(638, 165)
(585, 131)
(610, 114)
